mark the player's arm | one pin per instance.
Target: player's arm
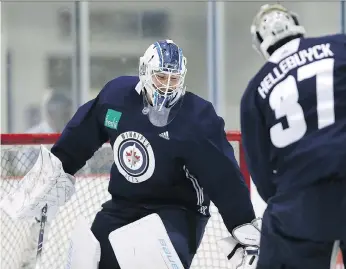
(256, 145)
(83, 135)
(211, 159)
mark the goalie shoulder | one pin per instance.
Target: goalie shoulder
(119, 91)
(199, 117)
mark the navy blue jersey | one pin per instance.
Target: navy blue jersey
(185, 164)
(293, 115)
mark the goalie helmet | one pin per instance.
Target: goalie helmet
(272, 24)
(162, 71)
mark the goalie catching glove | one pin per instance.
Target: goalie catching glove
(242, 247)
(45, 184)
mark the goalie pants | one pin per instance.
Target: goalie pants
(185, 229)
(299, 228)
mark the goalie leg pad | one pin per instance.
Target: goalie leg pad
(144, 244)
(176, 223)
(84, 249)
(185, 229)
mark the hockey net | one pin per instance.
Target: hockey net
(19, 239)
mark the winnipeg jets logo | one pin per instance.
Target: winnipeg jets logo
(134, 157)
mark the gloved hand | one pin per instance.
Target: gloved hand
(242, 247)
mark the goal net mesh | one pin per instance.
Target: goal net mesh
(19, 238)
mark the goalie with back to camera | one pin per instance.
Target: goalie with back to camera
(293, 124)
(171, 157)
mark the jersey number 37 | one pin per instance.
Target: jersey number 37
(283, 100)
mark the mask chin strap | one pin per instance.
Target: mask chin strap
(149, 100)
(146, 103)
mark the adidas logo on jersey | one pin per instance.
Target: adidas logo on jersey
(164, 135)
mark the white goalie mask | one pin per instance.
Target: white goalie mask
(162, 71)
(272, 24)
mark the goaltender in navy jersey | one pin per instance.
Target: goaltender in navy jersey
(171, 155)
(296, 107)
(183, 163)
(293, 123)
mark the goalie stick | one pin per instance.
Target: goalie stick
(41, 236)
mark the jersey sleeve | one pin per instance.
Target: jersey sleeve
(212, 161)
(256, 145)
(83, 135)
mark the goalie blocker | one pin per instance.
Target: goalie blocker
(41, 192)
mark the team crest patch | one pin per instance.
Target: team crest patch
(134, 157)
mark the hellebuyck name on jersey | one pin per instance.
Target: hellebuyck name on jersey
(300, 58)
